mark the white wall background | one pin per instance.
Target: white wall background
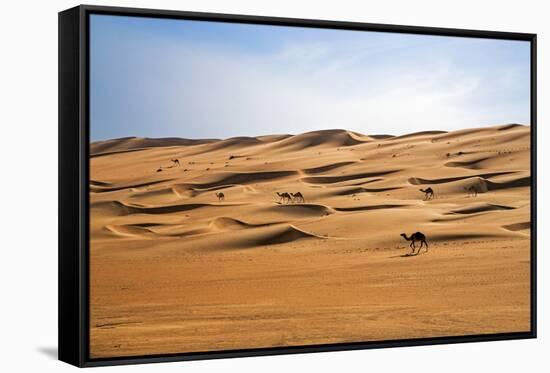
(28, 184)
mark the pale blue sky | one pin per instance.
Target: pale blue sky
(175, 78)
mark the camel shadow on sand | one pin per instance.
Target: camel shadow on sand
(407, 255)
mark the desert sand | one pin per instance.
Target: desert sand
(174, 268)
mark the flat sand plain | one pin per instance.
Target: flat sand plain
(175, 269)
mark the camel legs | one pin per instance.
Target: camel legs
(420, 248)
(422, 243)
(412, 245)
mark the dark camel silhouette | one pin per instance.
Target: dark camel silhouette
(175, 162)
(220, 196)
(284, 196)
(428, 193)
(472, 190)
(414, 238)
(298, 197)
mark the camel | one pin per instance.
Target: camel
(416, 237)
(428, 193)
(284, 196)
(176, 162)
(220, 196)
(298, 197)
(472, 190)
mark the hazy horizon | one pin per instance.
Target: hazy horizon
(192, 79)
(292, 134)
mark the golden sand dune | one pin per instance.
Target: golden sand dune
(518, 226)
(212, 251)
(421, 181)
(326, 138)
(138, 143)
(480, 207)
(340, 178)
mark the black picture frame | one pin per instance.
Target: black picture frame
(74, 175)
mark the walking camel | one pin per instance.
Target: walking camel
(298, 197)
(428, 193)
(284, 196)
(175, 162)
(418, 236)
(472, 191)
(220, 196)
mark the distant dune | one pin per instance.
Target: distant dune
(133, 143)
(217, 250)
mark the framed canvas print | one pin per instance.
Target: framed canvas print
(238, 185)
